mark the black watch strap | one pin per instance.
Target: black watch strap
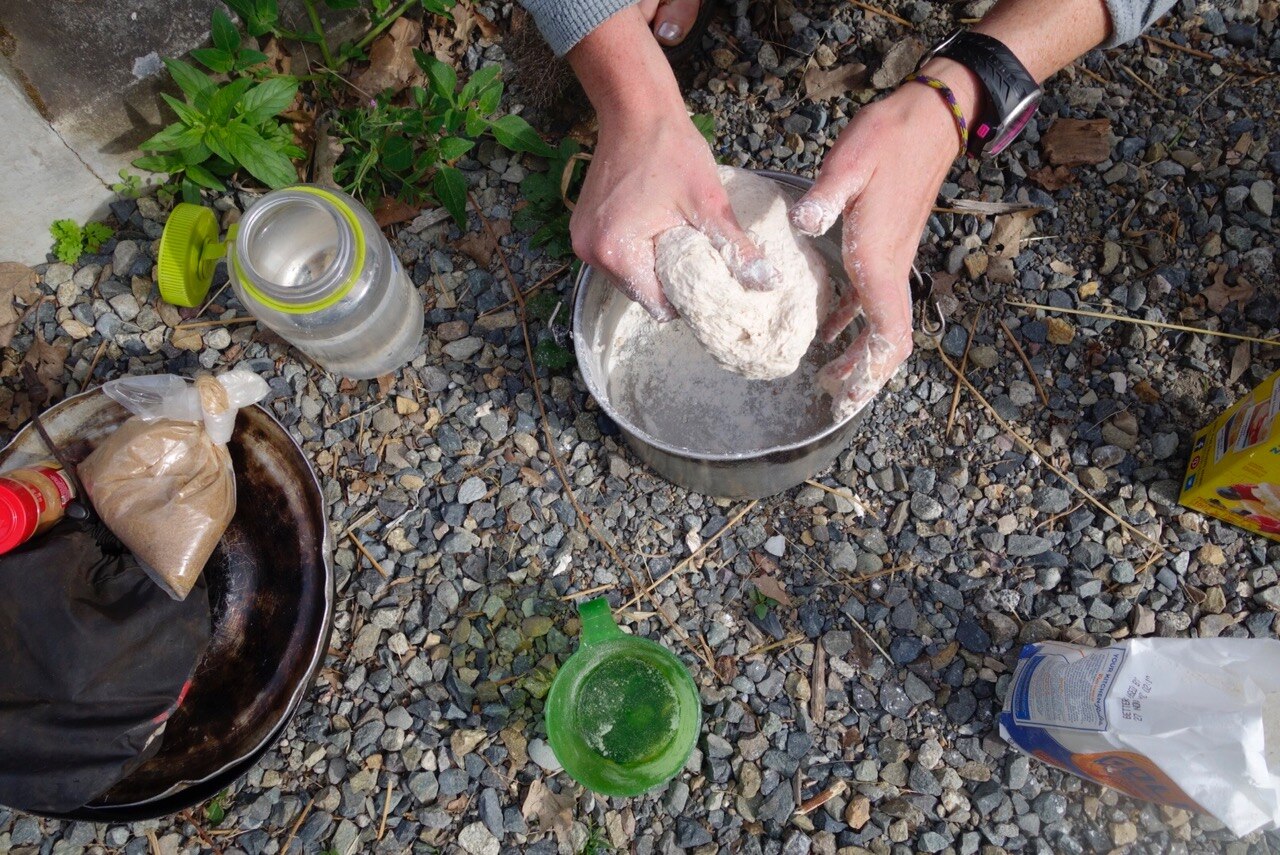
(1006, 80)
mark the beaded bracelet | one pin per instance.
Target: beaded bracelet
(950, 98)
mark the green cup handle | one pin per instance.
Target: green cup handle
(597, 622)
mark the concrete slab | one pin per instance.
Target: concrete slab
(42, 177)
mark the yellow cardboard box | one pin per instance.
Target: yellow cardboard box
(1234, 471)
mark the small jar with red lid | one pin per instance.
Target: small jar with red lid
(32, 501)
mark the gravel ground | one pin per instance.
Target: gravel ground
(946, 550)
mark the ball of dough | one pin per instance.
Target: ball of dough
(759, 334)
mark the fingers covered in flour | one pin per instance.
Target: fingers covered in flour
(853, 378)
(841, 180)
(634, 275)
(742, 255)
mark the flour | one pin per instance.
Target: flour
(663, 381)
(762, 335)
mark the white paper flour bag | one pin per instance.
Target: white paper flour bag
(1192, 723)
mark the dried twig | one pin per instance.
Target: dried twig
(386, 809)
(1221, 60)
(1144, 323)
(155, 844)
(1144, 84)
(1017, 437)
(774, 645)
(818, 685)
(823, 797)
(1031, 372)
(867, 7)
(365, 552)
(526, 292)
(870, 637)
(97, 357)
(964, 365)
(689, 558)
(195, 325)
(297, 823)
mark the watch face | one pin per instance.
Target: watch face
(1018, 118)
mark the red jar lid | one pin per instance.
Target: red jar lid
(19, 513)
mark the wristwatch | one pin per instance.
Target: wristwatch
(1012, 93)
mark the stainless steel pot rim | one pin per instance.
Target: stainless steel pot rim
(602, 397)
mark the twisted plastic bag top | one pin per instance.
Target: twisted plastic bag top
(167, 396)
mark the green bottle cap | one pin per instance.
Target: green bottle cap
(189, 252)
(623, 714)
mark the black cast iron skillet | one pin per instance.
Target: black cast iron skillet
(271, 601)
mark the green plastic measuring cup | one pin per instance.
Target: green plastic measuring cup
(623, 713)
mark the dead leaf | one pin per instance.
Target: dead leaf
(979, 206)
(517, 744)
(327, 151)
(278, 58)
(1007, 234)
(465, 19)
(823, 83)
(726, 668)
(50, 363)
(1239, 361)
(17, 282)
(392, 211)
(391, 62)
(553, 810)
(1059, 331)
(1218, 295)
(772, 588)
(480, 246)
(1076, 142)
(1146, 392)
(976, 263)
(1052, 178)
(463, 742)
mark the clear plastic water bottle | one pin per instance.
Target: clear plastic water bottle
(309, 263)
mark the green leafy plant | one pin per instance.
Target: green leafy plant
(216, 810)
(392, 150)
(228, 53)
(262, 18)
(548, 353)
(761, 603)
(222, 128)
(71, 241)
(596, 842)
(706, 125)
(544, 213)
(129, 186)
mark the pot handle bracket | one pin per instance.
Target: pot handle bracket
(932, 322)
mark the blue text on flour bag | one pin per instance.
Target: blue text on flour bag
(1192, 723)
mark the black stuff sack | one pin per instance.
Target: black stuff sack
(94, 659)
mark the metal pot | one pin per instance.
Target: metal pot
(271, 603)
(597, 309)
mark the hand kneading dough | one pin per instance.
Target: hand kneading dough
(762, 335)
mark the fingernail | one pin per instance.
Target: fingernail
(812, 217)
(662, 314)
(668, 31)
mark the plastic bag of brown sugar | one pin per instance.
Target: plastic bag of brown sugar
(163, 482)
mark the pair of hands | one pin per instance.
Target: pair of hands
(652, 170)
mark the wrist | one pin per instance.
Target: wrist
(928, 111)
(640, 90)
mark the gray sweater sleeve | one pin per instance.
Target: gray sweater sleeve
(563, 23)
(1130, 17)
